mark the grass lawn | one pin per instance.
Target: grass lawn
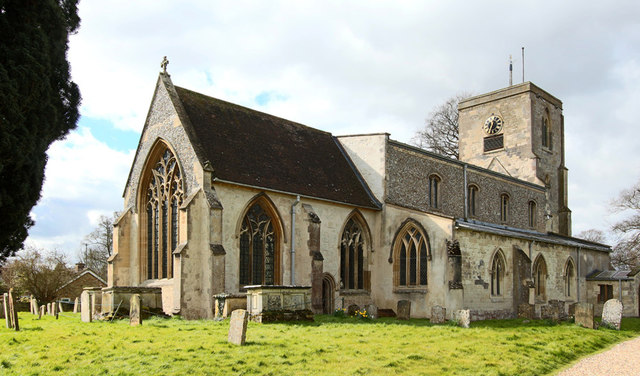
(329, 346)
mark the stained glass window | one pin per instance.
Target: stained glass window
(258, 254)
(352, 256)
(411, 257)
(164, 196)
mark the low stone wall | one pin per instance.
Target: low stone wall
(500, 314)
(150, 298)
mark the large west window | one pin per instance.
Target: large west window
(164, 195)
(259, 253)
(411, 250)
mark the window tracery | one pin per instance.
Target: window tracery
(258, 248)
(411, 257)
(497, 274)
(164, 195)
(352, 256)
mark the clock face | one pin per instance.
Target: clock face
(493, 125)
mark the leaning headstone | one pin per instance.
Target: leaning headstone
(438, 314)
(462, 318)
(13, 314)
(85, 309)
(612, 313)
(372, 311)
(75, 306)
(135, 318)
(584, 315)
(404, 309)
(5, 304)
(60, 307)
(238, 327)
(352, 309)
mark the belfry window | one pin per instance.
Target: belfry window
(411, 257)
(259, 255)
(547, 140)
(352, 256)
(164, 196)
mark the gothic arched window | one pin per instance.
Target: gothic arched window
(540, 277)
(497, 274)
(472, 197)
(259, 253)
(570, 278)
(411, 257)
(533, 212)
(504, 207)
(434, 191)
(164, 196)
(547, 139)
(352, 256)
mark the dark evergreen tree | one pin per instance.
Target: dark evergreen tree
(38, 104)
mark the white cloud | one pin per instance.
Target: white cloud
(84, 179)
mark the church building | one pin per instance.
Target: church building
(221, 197)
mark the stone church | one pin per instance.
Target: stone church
(221, 197)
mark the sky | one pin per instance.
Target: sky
(346, 67)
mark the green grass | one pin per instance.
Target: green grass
(330, 346)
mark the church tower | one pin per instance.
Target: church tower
(519, 131)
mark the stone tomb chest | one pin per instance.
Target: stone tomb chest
(278, 303)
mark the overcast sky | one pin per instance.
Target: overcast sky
(345, 67)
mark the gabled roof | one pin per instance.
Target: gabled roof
(84, 272)
(252, 148)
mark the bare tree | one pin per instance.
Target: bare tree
(34, 271)
(592, 235)
(98, 245)
(626, 253)
(440, 133)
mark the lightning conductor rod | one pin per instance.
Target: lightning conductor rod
(510, 71)
(522, 64)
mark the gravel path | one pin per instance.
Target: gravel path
(622, 359)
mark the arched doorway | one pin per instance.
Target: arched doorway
(328, 289)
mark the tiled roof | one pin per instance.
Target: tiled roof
(609, 275)
(252, 148)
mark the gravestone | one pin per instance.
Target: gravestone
(85, 309)
(584, 315)
(404, 309)
(463, 318)
(612, 313)
(60, 309)
(135, 318)
(75, 306)
(13, 314)
(5, 304)
(372, 311)
(238, 327)
(438, 314)
(41, 311)
(36, 307)
(351, 310)
(54, 309)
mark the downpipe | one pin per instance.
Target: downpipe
(293, 243)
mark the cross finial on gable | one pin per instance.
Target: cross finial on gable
(164, 64)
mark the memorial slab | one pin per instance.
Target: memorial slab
(238, 327)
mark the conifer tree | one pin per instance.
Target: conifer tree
(38, 104)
